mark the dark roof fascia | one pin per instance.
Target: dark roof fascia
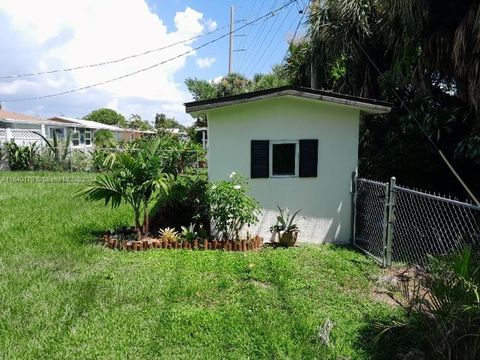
(284, 90)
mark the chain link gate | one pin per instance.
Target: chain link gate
(391, 222)
(370, 216)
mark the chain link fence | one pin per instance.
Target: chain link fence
(394, 223)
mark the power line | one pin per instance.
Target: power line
(271, 41)
(424, 132)
(295, 33)
(262, 43)
(266, 16)
(113, 61)
(244, 39)
(258, 33)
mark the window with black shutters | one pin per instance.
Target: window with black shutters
(284, 158)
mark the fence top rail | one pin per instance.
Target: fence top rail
(436, 197)
(372, 181)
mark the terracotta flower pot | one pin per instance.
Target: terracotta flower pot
(288, 238)
(134, 246)
(195, 244)
(205, 244)
(146, 244)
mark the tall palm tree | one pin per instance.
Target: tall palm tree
(134, 178)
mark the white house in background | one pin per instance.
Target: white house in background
(22, 129)
(299, 148)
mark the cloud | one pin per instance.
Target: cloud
(205, 62)
(211, 25)
(53, 34)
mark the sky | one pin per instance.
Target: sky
(49, 35)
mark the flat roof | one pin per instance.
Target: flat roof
(367, 105)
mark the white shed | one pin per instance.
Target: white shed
(297, 146)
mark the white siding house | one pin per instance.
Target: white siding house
(297, 146)
(22, 129)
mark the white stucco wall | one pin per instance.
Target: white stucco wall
(325, 200)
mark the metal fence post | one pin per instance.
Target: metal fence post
(390, 221)
(354, 205)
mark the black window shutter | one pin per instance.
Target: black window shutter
(308, 158)
(260, 155)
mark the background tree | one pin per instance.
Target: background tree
(162, 122)
(107, 116)
(427, 55)
(136, 122)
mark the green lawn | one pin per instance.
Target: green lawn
(64, 297)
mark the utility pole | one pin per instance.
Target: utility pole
(230, 49)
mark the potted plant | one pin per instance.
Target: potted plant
(286, 230)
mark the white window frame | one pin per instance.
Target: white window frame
(297, 157)
(90, 137)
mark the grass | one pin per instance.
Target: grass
(64, 297)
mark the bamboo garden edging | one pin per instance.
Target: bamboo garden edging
(254, 243)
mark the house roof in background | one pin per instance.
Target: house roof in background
(14, 116)
(11, 117)
(371, 106)
(87, 123)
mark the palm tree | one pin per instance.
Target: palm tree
(135, 177)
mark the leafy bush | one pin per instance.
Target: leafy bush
(443, 310)
(21, 157)
(230, 207)
(185, 203)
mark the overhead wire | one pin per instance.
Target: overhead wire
(256, 38)
(113, 61)
(271, 42)
(244, 38)
(266, 17)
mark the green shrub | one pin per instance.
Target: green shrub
(21, 157)
(185, 203)
(230, 207)
(442, 310)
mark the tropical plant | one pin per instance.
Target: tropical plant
(185, 203)
(419, 55)
(60, 150)
(104, 139)
(21, 157)
(231, 208)
(285, 227)
(443, 318)
(134, 177)
(169, 235)
(188, 233)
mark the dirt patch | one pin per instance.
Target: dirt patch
(399, 286)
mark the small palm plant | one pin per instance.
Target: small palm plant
(188, 233)
(285, 227)
(169, 235)
(134, 178)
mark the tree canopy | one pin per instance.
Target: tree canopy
(423, 56)
(107, 116)
(136, 122)
(163, 122)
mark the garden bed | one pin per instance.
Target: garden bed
(112, 242)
